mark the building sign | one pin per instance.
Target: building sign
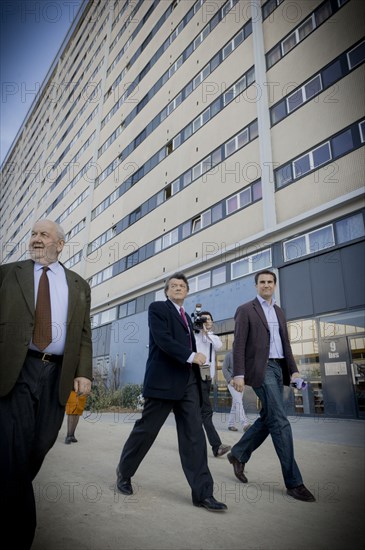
(332, 369)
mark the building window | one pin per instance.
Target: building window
(350, 228)
(219, 275)
(312, 160)
(200, 282)
(283, 175)
(309, 243)
(238, 201)
(362, 130)
(128, 308)
(342, 143)
(313, 87)
(236, 143)
(356, 56)
(250, 264)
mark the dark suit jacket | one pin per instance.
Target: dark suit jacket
(17, 320)
(251, 345)
(167, 371)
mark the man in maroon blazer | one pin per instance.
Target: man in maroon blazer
(263, 359)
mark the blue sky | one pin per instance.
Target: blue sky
(31, 34)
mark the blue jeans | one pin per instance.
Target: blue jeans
(273, 421)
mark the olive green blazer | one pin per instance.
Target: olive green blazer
(17, 320)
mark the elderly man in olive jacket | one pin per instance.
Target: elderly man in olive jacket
(45, 352)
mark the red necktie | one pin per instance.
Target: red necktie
(42, 334)
(182, 313)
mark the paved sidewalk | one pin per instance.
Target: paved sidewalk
(78, 508)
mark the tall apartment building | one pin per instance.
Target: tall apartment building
(216, 138)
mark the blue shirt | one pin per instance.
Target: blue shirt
(276, 346)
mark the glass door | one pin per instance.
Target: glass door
(357, 354)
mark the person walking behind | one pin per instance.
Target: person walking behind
(263, 359)
(74, 408)
(208, 343)
(237, 412)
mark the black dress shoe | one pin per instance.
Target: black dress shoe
(68, 440)
(222, 450)
(238, 468)
(301, 493)
(124, 485)
(211, 504)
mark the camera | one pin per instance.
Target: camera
(198, 319)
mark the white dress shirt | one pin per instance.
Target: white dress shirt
(203, 342)
(58, 289)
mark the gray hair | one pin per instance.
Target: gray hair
(59, 229)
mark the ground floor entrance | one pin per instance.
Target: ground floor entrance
(330, 353)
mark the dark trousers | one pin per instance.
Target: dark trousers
(272, 421)
(191, 439)
(207, 417)
(30, 419)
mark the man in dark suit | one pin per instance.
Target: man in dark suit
(263, 359)
(172, 382)
(45, 352)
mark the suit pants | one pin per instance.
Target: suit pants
(191, 439)
(30, 419)
(273, 421)
(207, 417)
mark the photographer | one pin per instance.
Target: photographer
(208, 343)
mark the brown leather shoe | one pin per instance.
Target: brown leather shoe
(238, 468)
(222, 450)
(301, 493)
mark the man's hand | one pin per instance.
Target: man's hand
(294, 376)
(238, 383)
(199, 359)
(82, 386)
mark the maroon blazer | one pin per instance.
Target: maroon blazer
(251, 344)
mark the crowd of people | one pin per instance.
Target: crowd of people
(46, 369)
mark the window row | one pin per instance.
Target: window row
(68, 55)
(24, 223)
(217, 156)
(339, 232)
(174, 66)
(184, 93)
(316, 18)
(73, 206)
(344, 142)
(82, 173)
(269, 7)
(77, 117)
(334, 71)
(67, 168)
(178, 234)
(214, 108)
(147, 40)
(129, 20)
(209, 279)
